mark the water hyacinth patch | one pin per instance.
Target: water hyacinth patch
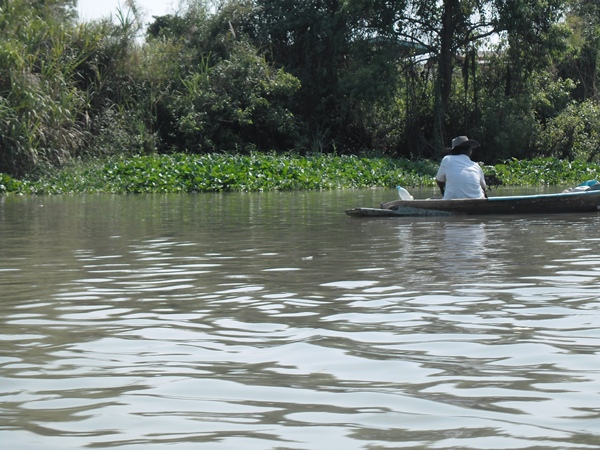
(272, 172)
(545, 172)
(229, 173)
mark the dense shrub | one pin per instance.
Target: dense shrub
(573, 134)
(237, 103)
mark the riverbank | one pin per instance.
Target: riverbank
(270, 172)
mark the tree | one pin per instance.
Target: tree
(308, 39)
(583, 57)
(221, 94)
(451, 29)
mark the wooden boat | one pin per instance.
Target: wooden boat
(566, 202)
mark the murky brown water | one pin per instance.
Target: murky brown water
(274, 321)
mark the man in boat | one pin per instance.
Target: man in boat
(459, 176)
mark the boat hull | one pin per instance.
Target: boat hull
(570, 202)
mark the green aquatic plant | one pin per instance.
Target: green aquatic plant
(546, 172)
(227, 173)
(270, 172)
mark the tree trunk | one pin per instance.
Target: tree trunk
(444, 77)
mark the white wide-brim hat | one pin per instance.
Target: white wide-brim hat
(463, 141)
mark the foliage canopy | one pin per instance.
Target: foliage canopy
(397, 77)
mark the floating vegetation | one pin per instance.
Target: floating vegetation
(271, 172)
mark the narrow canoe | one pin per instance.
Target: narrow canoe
(568, 202)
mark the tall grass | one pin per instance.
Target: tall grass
(58, 80)
(41, 109)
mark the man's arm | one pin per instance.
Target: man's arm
(483, 183)
(442, 185)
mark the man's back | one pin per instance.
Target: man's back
(463, 177)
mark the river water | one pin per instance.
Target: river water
(274, 321)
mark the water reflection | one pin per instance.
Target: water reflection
(274, 322)
(463, 251)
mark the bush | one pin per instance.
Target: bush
(237, 103)
(573, 134)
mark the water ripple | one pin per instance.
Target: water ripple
(354, 335)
